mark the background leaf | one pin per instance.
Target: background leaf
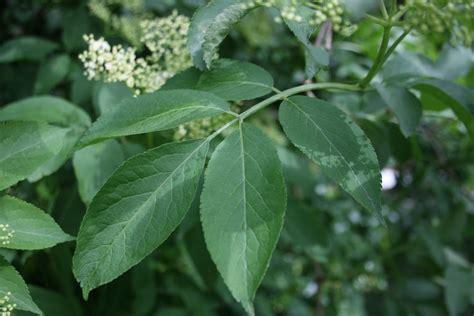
(26, 48)
(404, 104)
(336, 144)
(460, 99)
(32, 228)
(51, 73)
(25, 147)
(136, 210)
(47, 109)
(243, 204)
(51, 303)
(94, 164)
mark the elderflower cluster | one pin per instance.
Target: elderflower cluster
(165, 38)
(6, 307)
(322, 11)
(6, 234)
(439, 17)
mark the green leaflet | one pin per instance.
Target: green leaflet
(404, 104)
(31, 227)
(242, 209)
(209, 26)
(136, 210)
(26, 48)
(460, 99)
(94, 164)
(12, 282)
(51, 73)
(47, 109)
(236, 80)
(336, 144)
(156, 111)
(316, 57)
(25, 147)
(231, 80)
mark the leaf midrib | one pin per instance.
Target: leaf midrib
(244, 199)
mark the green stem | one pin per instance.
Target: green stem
(377, 20)
(379, 59)
(395, 44)
(299, 89)
(383, 8)
(281, 95)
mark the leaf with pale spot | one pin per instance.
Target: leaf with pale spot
(336, 144)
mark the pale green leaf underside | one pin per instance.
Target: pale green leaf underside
(33, 228)
(242, 209)
(136, 210)
(94, 164)
(336, 144)
(156, 111)
(25, 147)
(209, 26)
(404, 104)
(11, 281)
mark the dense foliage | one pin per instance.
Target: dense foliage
(231, 157)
